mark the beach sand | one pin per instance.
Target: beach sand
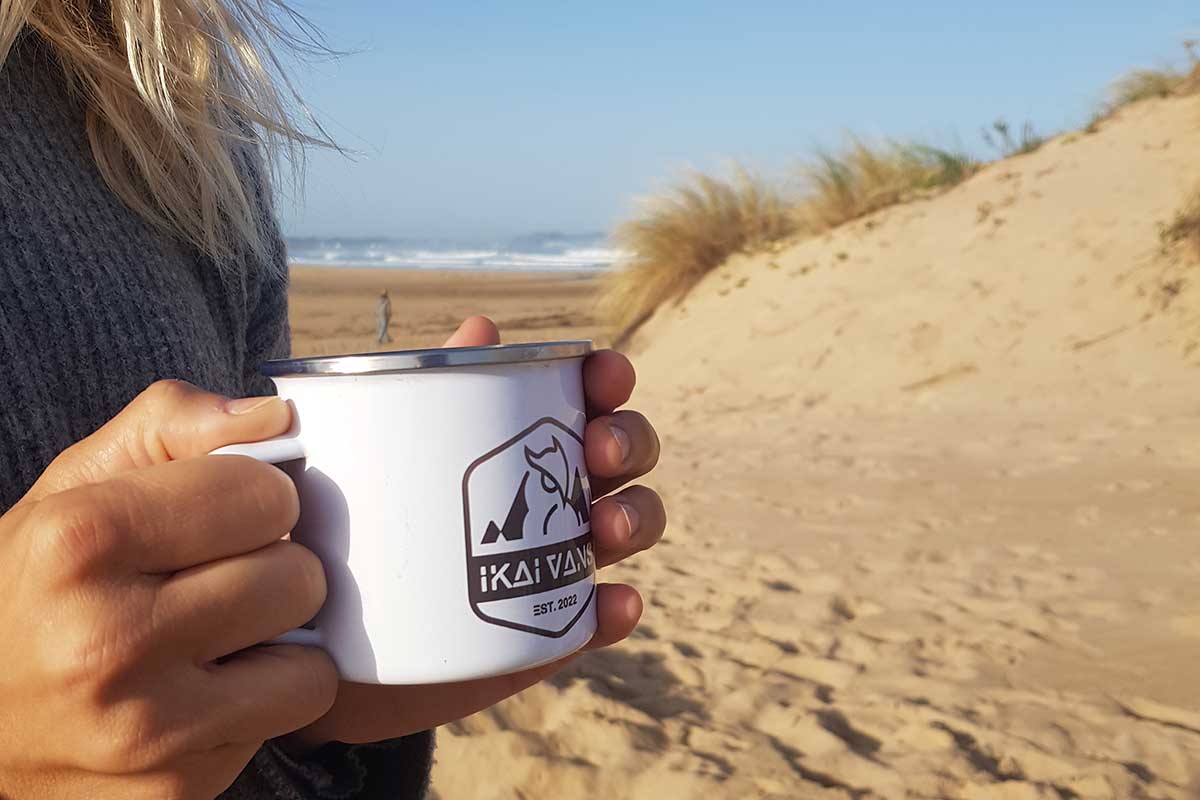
(933, 483)
(333, 309)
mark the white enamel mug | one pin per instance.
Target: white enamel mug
(446, 494)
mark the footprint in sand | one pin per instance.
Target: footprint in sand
(826, 748)
(686, 650)
(821, 671)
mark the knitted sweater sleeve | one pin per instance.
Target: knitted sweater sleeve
(397, 769)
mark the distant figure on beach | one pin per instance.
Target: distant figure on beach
(383, 316)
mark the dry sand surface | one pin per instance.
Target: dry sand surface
(933, 481)
(333, 310)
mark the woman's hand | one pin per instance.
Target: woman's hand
(128, 574)
(619, 446)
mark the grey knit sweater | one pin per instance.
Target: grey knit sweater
(96, 304)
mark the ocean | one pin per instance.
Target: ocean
(553, 252)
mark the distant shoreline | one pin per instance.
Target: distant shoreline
(332, 308)
(589, 272)
(535, 252)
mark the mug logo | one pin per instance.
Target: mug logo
(529, 546)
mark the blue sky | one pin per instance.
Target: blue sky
(489, 119)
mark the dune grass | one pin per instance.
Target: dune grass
(1185, 227)
(1147, 84)
(681, 235)
(862, 178)
(1143, 84)
(693, 228)
(1001, 139)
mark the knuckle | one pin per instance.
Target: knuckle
(75, 532)
(133, 736)
(309, 577)
(317, 680)
(166, 394)
(268, 490)
(307, 684)
(99, 652)
(156, 409)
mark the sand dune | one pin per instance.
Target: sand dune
(933, 482)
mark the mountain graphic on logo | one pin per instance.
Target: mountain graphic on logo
(514, 522)
(556, 478)
(530, 564)
(551, 464)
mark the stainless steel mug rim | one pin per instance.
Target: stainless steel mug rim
(432, 358)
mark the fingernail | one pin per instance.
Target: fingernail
(631, 517)
(622, 441)
(245, 405)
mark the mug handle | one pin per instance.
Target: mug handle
(276, 451)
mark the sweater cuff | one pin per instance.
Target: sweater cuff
(397, 768)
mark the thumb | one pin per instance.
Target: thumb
(474, 332)
(170, 420)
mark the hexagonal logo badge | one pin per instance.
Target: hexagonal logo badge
(526, 506)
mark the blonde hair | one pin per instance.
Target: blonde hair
(179, 95)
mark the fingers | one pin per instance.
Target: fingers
(169, 517)
(170, 420)
(608, 380)
(367, 713)
(608, 376)
(627, 523)
(619, 448)
(618, 609)
(474, 332)
(266, 692)
(225, 606)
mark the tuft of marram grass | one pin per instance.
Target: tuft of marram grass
(1147, 84)
(1001, 139)
(1185, 227)
(861, 178)
(1142, 84)
(681, 235)
(692, 229)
